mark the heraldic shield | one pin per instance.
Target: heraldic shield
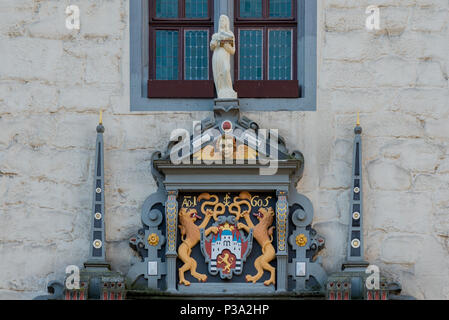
(226, 251)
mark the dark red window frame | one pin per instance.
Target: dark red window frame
(178, 88)
(266, 88)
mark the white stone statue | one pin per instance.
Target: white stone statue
(223, 45)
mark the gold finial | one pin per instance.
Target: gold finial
(358, 119)
(101, 116)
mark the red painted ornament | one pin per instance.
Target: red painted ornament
(226, 126)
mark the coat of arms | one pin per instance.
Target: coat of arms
(226, 243)
(226, 250)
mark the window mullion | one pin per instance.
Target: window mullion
(181, 53)
(265, 53)
(181, 9)
(265, 9)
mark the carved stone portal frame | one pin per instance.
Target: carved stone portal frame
(298, 270)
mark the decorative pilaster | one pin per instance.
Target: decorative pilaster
(99, 281)
(171, 216)
(355, 251)
(282, 247)
(96, 280)
(351, 283)
(97, 248)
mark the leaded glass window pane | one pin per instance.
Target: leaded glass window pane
(166, 55)
(251, 8)
(167, 8)
(280, 8)
(250, 59)
(196, 9)
(196, 49)
(280, 54)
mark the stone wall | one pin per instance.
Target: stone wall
(53, 82)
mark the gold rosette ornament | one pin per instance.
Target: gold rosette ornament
(153, 239)
(301, 240)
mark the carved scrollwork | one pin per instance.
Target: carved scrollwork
(305, 269)
(149, 240)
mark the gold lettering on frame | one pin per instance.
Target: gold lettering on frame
(256, 201)
(189, 202)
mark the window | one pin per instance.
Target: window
(179, 54)
(266, 49)
(274, 67)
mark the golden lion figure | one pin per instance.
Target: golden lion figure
(227, 260)
(263, 234)
(191, 235)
